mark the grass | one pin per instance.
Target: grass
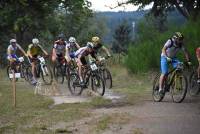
(107, 121)
(35, 114)
(133, 86)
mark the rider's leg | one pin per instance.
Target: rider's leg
(80, 71)
(53, 58)
(164, 70)
(33, 70)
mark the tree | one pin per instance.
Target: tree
(122, 37)
(25, 19)
(190, 9)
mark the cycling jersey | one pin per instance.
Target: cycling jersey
(12, 49)
(60, 48)
(82, 51)
(71, 47)
(35, 49)
(172, 48)
(97, 47)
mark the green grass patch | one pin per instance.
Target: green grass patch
(107, 121)
(33, 113)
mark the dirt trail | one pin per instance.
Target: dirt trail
(146, 117)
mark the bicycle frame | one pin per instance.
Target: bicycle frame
(170, 77)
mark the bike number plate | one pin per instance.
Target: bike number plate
(42, 60)
(93, 67)
(21, 59)
(17, 75)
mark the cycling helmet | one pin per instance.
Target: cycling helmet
(13, 41)
(95, 39)
(178, 35)
(89, 45)
(35, 41)
(72, 40)
(61, 36)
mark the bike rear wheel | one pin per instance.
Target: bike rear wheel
(179, 87)
(194, 87)
(157, 97)
(73, 84)
(47, 75)
(98, 85)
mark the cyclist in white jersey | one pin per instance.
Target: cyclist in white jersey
(168, 55)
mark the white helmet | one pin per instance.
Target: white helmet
(35, 41)
(72, 40)
(13, 41)
(90, 45)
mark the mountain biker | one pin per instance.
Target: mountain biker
(34, 50)
(11, 51)
(71, 47)
(169, 51)
(198, 58)
(98, 45)
(59, 48)
(80, 58)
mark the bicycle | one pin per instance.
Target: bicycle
(175, 81)
(194, 86)
(91, 73)
(19, 66)
(105, 73)
(59, 70)
(43, 70)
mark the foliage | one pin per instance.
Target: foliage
(122, 37)
(145, 55)
(44, 19)
(188, 8)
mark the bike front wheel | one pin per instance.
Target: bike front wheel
(98, 85)
(10, 72)
(107, 78)
(194, 87)
(47, 75)
(73, 84)
(179, 87)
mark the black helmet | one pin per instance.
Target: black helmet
(61, 36)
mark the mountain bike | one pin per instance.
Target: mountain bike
(19, 66)
(43, 70)
(59, 70)
(105, 73)
(91, 73)
(175, 82)
(194, 86)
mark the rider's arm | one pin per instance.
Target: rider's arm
(29, 51)
(186, 53)
(54, 50)
(77, 45)
(9, 52)
(45, 52)
(67, 57)
(166, 46)
(106, 50)
(21, 49)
